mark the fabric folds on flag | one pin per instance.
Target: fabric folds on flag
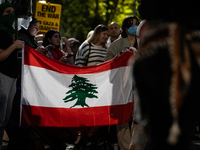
(55, 94)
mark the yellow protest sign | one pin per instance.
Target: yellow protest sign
(48, 15)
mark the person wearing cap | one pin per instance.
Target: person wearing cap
(74, 44)
(39, 39)
(8, 64)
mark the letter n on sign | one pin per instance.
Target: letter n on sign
(49, 16)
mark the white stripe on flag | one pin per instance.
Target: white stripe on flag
(43, 87)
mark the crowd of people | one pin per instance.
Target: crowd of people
(96, 49)
(102, 43)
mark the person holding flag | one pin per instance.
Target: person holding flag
(93, 50)
(8, 64)
(128, 40)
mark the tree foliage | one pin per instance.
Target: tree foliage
(81, 89)
(78, 17)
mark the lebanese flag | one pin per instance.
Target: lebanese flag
(55, 94)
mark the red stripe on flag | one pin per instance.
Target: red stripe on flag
(76, 117)
(34, 58)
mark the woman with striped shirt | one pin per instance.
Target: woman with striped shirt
(93, 50)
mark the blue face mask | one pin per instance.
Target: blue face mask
(132, 30)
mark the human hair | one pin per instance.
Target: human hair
(33, 21)
(181, 11)
(90, 33)
(127, 22)
(49, 35)
(94, 38)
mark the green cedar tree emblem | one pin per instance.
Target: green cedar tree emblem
(81, 88)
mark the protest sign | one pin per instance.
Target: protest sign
(48, 15)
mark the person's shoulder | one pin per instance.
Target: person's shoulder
(115, 43)
(118, 40)
(123, 39)
(84, 45)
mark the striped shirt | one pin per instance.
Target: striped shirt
(95, 56)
